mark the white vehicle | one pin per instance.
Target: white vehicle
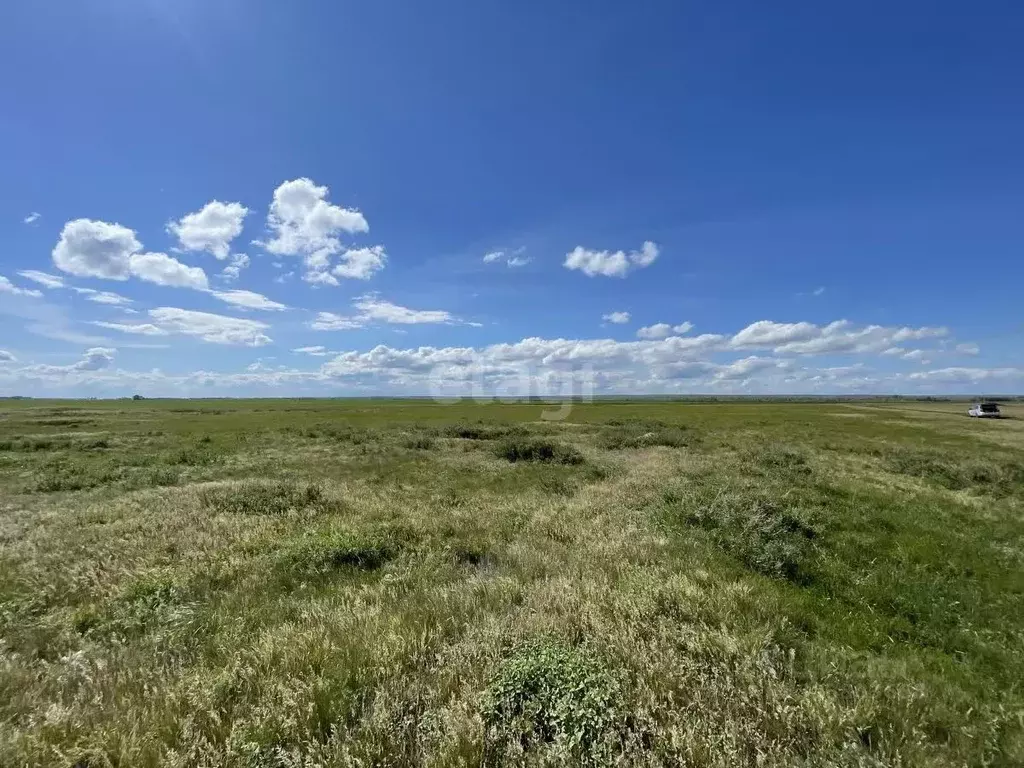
(984, 411)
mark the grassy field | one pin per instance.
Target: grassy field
(335, 583)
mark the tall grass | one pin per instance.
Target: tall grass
(325, 583)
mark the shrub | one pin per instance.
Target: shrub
(341, 550)
(464, 431)
(253, 498)
(618, 435)
(515, 450)
(760, 532)
(553, 699)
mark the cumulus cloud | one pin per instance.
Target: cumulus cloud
(616, 318)
(99, 249)
(6, 286)
(94, 359)
(166, 270)
(303, 223)
(7, 357)
(610, 263)
(493, 256)
(315, 351)
(968, 348)
(216, 329)
(33, 217)
(663, 330)
(232, 271)
(88, 248)
(210, 229)
(361, 263)
(248, 300)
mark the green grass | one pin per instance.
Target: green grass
(373, 582)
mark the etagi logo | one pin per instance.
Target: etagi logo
(515, 383)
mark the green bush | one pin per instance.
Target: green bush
(758, 530)
(465, 431)
(253, 498)
(339, 550)
(519, 449)
(555, 700)
(643, 433)
(419, 443)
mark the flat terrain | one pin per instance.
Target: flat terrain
(334, 583)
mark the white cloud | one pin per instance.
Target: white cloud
(316, 351)
(967, 375)
(512, 259)
(610, 263)
(818, 291)
(372, 308)
(328, 321)
(211, 229)
(663, 330)
(165, 270)
(104, 297)
(918, 355)
(361, 263)
(838, 337)
(45, 279)
(313, 277)
(94, 359)
(90, 248)
(765, 333)
(617, 318)
(969, 348)
(6, 286)
(145, 329)
(743, 369)
(303, 223)
(7, 357)
(248, 299)
(239, 261)
(216, 329)
(32, 218)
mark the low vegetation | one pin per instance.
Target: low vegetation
(344, 583)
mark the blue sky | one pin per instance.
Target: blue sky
(495, 197)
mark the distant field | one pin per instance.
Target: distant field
(370, 582)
